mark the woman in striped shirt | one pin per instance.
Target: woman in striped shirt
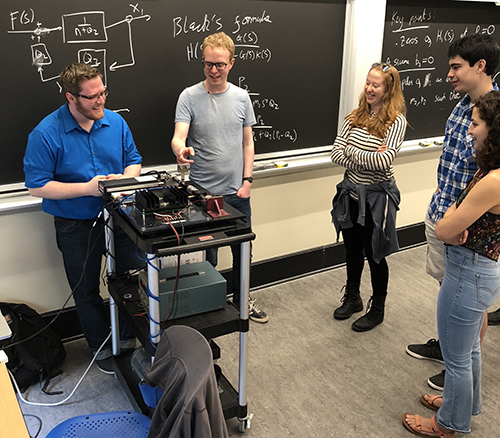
(365, 205)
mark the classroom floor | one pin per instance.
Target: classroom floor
(308, 374)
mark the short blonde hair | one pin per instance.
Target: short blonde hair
(219, 40)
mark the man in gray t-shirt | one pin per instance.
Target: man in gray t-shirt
(213, 133)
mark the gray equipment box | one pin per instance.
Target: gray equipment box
(200, 289)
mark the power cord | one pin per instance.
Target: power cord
(89, 251)
(40, 423)
(74, 389)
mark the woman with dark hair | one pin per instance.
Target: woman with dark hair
(364, 208)
(470, 229)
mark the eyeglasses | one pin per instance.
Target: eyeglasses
(385, 67)
(218, 65)
(94, 97)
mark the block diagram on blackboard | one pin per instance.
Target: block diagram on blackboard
(81, 28)
(150, 51)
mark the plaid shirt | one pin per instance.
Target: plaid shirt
(457, 164)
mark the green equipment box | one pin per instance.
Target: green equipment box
(200, 289)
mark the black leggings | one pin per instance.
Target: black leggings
(357, 239)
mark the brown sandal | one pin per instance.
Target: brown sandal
(426, 431)
(430, 403)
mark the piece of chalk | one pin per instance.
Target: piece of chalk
(280, 164)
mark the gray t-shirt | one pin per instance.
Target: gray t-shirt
(216, 123)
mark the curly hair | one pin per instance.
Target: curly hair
(488, 107)
(393, 103)
(219, 40)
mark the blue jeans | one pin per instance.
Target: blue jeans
(471, 284)
(78, 242)
(243, 206)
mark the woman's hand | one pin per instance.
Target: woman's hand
(382, 148)
(459, 239)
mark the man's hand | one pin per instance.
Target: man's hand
(112, 176)
(244, 190)
(183, 155)
(93, 185)
(60, 190)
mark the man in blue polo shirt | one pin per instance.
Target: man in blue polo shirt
(68, 153)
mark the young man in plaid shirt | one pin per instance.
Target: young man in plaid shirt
(473, 61)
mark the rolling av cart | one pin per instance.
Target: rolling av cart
(196, 231)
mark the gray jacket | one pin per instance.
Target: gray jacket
(383, 201)
(183, 369)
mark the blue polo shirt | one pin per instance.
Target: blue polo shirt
(60, 150)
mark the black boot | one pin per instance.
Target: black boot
(373, 316)
(351, 302)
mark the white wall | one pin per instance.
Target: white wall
(362, 47)
(31, 268)
(290, 212)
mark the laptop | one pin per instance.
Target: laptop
(4, 328)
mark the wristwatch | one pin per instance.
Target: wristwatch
(248, 178)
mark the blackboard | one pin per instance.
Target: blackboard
(288, 57)
(417, 35)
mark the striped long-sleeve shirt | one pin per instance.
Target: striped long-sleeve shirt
(356, 150)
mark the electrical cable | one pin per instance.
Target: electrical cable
(74, 389)
(168, 313)
(90, 248)
(122, 201)
(89, 251)
(40, 423)
(174, 293)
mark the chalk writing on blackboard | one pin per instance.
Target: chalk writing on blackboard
(88, 27)
(416, 41)
(415, 35)
(247, 49)
(263, 130)
(276, 43)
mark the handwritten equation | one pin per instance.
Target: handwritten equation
(244, 30)
(246, 41)
(418, 50)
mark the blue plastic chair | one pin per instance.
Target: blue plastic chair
(109, 424)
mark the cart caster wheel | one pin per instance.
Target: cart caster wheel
(245, 423)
